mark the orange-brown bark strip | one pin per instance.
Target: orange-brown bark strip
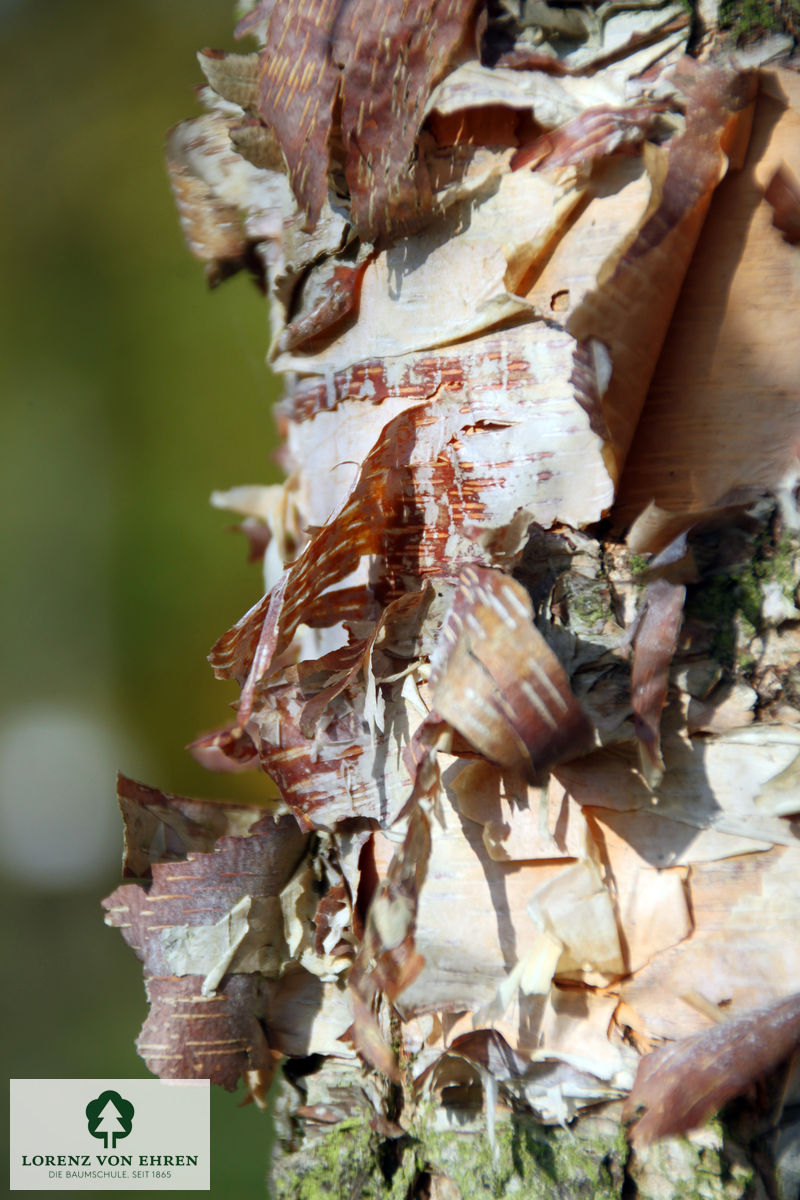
(682, 1084)
(496, 681)
(593, 134)
(392, 56)
(344, 68)
(194, 1031)
(630, 309)
(654, 646)
(191, 1036)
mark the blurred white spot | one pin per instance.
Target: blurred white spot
(59, 822)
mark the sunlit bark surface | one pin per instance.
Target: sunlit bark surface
(526, 669)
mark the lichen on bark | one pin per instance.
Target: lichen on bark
(590, 1161)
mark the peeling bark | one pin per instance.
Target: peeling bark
(538, 787)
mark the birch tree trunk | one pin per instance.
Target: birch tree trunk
(526, 669)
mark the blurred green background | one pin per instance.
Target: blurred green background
(129, 392)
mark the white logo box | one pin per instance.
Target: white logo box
(138, 1134)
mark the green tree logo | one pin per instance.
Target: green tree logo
(109, 1117)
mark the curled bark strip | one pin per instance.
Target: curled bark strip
(392, 57)
(265, 648)
(713, 97)
(681, 1085)
(356, 657)
(497, 682)
(341, 68)
(232, 76)
(388, 961)
(389, 936)
(368, 1039)
(655, 529)
(521, 57)
(644, 279)
(722, 415)
(297, 88)
(590, 376)
(654, 645)
(489, 1049)
(213, 229)
(247, 650)
(230, 749)
(349, 661)
(330, 779)
(326, 730)
(160, 826)
(341, 300)
(594, 134)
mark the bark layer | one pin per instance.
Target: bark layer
(537, 784)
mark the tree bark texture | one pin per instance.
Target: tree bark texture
(526, 669)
